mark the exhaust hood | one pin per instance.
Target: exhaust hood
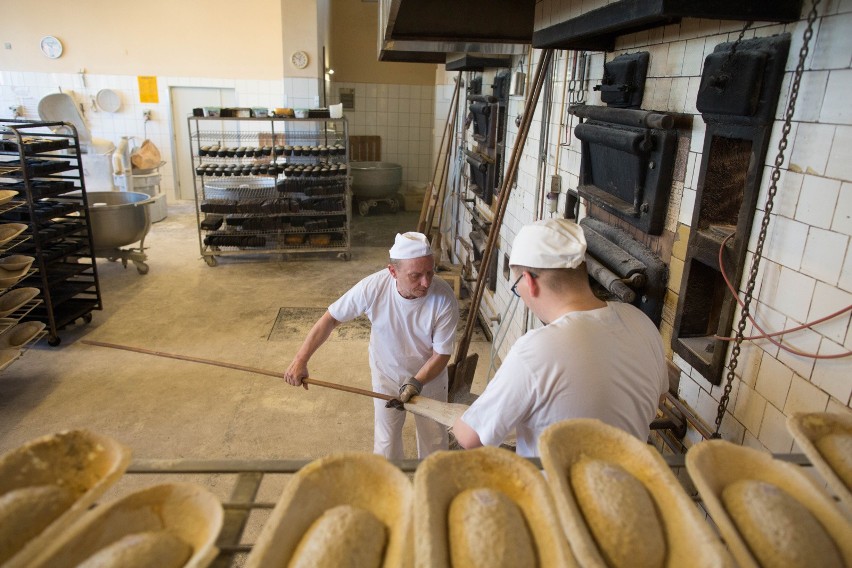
(425, 32)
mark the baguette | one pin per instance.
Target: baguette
(488, 530)
(780, 532)
(140, 550)
(342, 537)
(26, 512)
(836, 450)
(620, 514)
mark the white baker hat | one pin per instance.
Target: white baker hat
(552, 243)
(410, 245)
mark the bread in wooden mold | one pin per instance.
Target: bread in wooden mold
(488, 530)
(620, 514)
(751, 482)
(342, 537)
(81, 464)
(355, 481)
(187, 512)
(687, 538)
(779, 531)
(444, 477)
(826, 439)
(141, 550)
(26, 512)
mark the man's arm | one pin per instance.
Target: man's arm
(319, 333)
(465, 435)
(431, 369)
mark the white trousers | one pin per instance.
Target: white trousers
(387, 435)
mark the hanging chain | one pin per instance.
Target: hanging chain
(764, 224)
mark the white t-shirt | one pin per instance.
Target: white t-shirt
(606, 363)
(404, 332)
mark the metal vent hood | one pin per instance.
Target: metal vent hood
(426, 32)
(597, 30)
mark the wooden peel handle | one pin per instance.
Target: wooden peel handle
(308, 381)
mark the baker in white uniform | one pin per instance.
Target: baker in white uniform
(414, 319)
(592, 359)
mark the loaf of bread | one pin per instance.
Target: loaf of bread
(836, 449)
(27, 511)
(780, 532)
(488, 530)
(619, 513)
(342, 537)
(140, 550)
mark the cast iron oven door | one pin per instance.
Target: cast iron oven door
(481, 176)
(627, 169)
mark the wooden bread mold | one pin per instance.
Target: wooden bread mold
(811, 431)
(445, 476)
(183, 510)
(79, 462)
(715, 465)
(684, 534)
(362, 483)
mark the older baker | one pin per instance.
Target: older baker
(414, 319)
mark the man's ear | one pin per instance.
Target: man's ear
(392, 270)
(532, 285)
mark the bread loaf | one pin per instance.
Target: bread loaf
(487, 529)
(620, 514)
(779, 531)
(342, 537)
(836, 449)
(140, 550)
(25, 512)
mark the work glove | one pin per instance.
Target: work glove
(411, 387)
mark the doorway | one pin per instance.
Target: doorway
(183, 100)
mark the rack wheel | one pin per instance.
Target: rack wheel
(344, 256)
(364, 208)
(87, 318)
(53, 341)
(394, 205)
(142, 268)
(211, 260)
(112, 258)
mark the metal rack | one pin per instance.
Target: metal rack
(271, 186)
(249, 475)
(42, 162)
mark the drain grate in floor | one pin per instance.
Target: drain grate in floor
(293, 324)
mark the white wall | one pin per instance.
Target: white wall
(402, 115)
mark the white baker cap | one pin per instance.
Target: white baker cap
(552, 243)
(410, 245)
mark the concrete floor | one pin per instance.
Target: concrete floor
(163, 408)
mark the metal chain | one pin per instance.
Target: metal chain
(764, 224)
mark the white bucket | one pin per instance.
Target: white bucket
(336, 111)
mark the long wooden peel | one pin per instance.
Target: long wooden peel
(463, 368)
(442, 412)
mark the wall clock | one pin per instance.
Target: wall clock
(51, 47)
(299, 59)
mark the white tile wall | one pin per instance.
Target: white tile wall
(773, 381)
(817, 201)
(403, 115)
(820, 258)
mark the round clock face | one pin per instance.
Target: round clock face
(299, 59)
(51, 47)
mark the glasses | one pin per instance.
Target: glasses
(518, 281)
